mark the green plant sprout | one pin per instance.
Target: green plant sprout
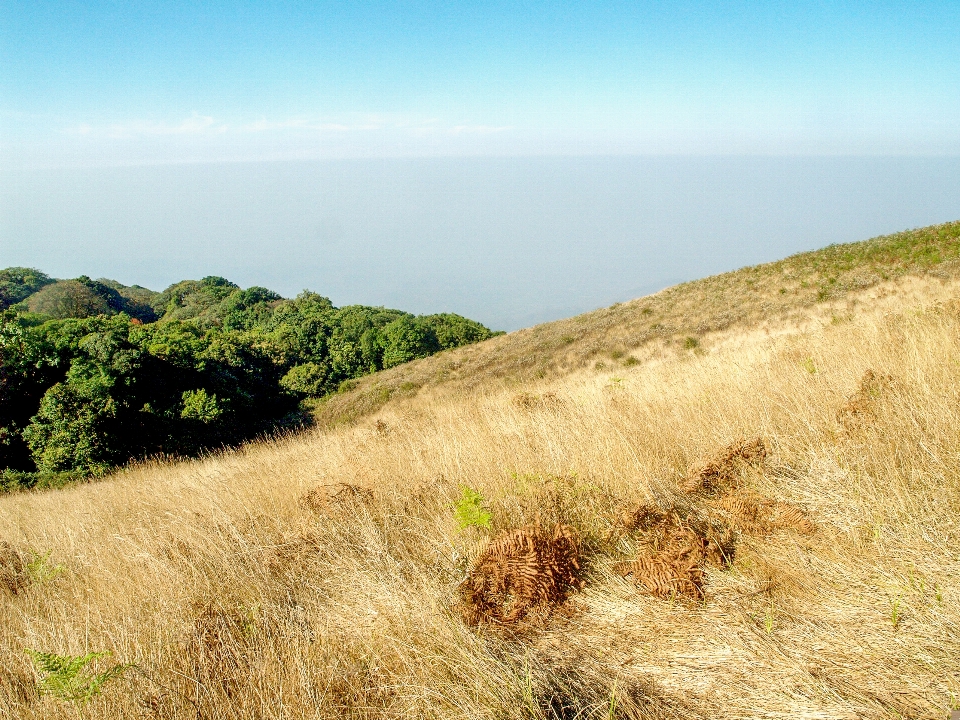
(528, 698)
(70, 678)
(612, 704)
(40, 568)
(469, 511)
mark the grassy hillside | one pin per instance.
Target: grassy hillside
(764, 525)
(775, 296)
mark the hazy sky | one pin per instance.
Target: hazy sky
(101, 83)
(514, 162)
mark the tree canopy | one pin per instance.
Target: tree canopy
(94, 373)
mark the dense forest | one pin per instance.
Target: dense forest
(94, 374)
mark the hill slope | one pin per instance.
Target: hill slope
(764, 526)
(776, 296)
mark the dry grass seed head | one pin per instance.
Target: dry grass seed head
(520, 570)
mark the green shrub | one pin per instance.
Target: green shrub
(18, 283)
(86, 384)
(198, 405)
(469, 510)
(68, 431)
(307, 379)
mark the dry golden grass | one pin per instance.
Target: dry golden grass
(319, 576)
(784, 296)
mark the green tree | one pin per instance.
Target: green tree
(246, 309)
(19, 283)
(406, 339)
(307, 379)
(68, 299)
(194, 299)
(97, 385)
(68, 432)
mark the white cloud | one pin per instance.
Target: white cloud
(196, 124)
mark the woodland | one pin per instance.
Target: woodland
(94, 374)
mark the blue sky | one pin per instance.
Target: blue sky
(114, 83)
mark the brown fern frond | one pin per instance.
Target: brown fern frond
(720, 472)
(323, 498)
(682, 548)
(645, 517)
(861, 405)
(13, 569)
(519, 570)
(754, 514)
(665, 576)
(790, 517)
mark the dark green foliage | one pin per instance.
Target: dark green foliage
(137, 301)
(406, 339)
(17, 284)
(453, 330)
(114, 390)
(90, 378)
(246, 309)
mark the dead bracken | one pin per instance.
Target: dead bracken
(716, 482)
(754, 514)
(720, 472)
(14, 576)
(520, 570)
(681, 542)
(677, 551)
(323, 498)
(861, 405)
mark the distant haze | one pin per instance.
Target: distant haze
(506, 241)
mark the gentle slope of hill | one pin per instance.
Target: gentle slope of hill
(765, 524)
(776, 296)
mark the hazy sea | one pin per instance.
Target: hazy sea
(507, 241)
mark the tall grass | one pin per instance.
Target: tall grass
(316, 576)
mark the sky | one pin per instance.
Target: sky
(513, 162)
(124, 83)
